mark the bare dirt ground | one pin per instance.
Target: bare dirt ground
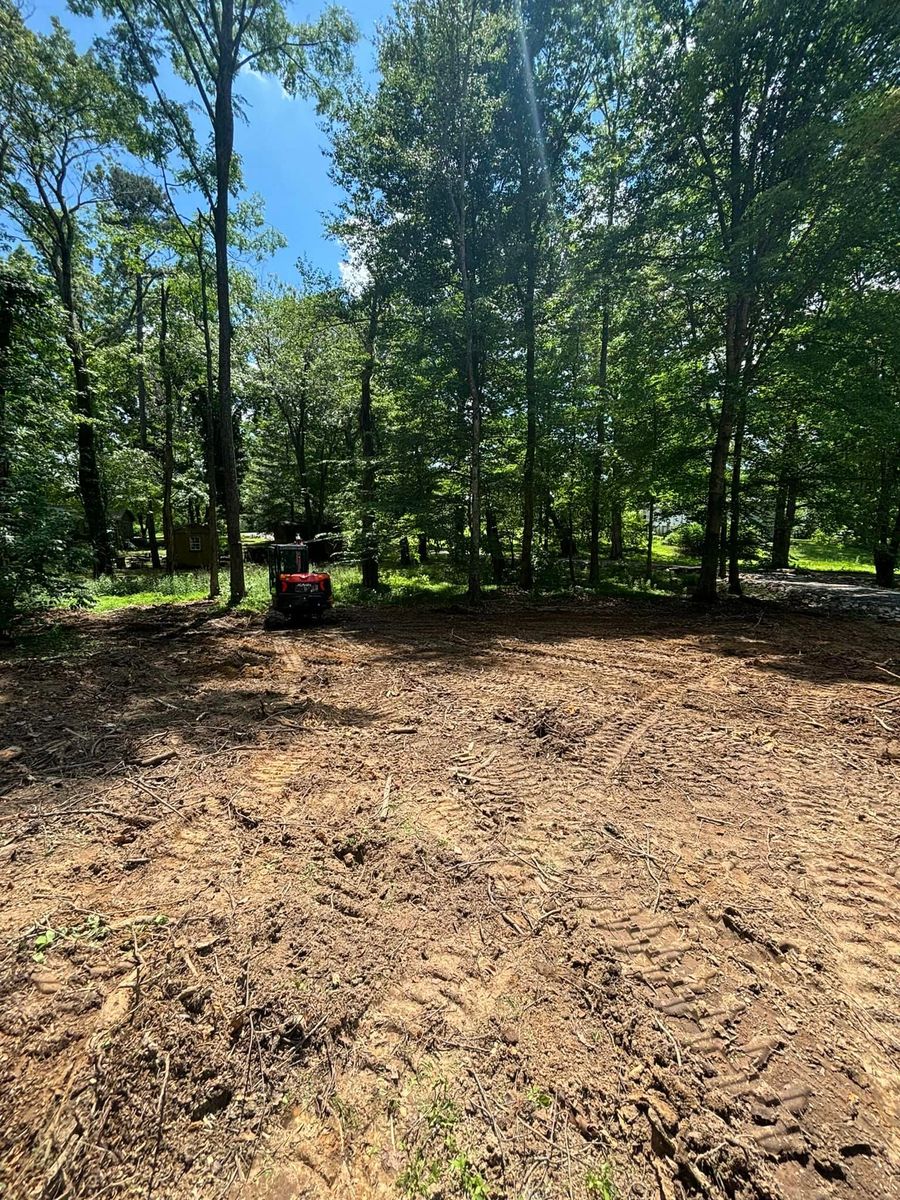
(594, 902)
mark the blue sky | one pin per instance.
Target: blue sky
(281, 146)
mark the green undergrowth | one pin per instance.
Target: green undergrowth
(442, 583)
(144, 588)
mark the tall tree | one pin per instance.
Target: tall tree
(553, 54)
(753, 103)
(209, 43)
(61, 115)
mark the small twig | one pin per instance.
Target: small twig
(156, 760)
(140, 822)
(160, 1106)
(155, 796)
(387, 796)
(139, 963)
(672, 1038)
(648, 858)
(490, 1116)
(568, 1158)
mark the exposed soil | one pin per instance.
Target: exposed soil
(577, 902)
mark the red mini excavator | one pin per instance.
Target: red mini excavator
(296, 591)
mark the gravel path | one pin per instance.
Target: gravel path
(831, 591)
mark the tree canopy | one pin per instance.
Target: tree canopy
(609, 269)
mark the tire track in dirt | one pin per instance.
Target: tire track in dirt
(683, 983)
(512, 873)
(862, 903)
(708, 1012)
(705, 1009)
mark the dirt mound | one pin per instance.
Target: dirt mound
(597, 902)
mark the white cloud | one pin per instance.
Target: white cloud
(269, 82)
(355, 276)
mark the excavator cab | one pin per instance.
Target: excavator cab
(296, 591)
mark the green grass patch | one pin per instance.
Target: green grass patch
(144, 587)
(671, 555)
(138, 599)
(256, 580)
(829, 554)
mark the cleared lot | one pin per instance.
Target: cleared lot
(581, 902)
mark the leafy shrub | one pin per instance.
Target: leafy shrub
(689, 537)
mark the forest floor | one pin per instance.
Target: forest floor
(585, 901)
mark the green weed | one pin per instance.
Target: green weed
(470, 1182)
(419, 1177)
(538, 1098)
(600, 1185)
(94, 928)
(442, 1166)
(443, 1115)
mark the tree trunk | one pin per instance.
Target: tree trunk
(310, 530)
(886, 554)
(168, 438)
(152, 539)
(209, 463)
(223, 129)
(209, 425)
(90, 484)
(526, 565)
(785, 517)
(6, 328)
(597, 466)
(885, 566)
(322, 493)
(405, 556)
(423, 548)
(141, 374)
(474, 588)
(894, 543)
(571, 548)
(565, 533)
(648, 571)
(734, 522)
(459, 198)
(735, 347)
(495, 547)
(90, 481)
(707, 587)
(594, 549)
(367, 434)
(616, 538)
(723, 550)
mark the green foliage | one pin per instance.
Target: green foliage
(689, 538)
(38, 510)
(562, 287)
